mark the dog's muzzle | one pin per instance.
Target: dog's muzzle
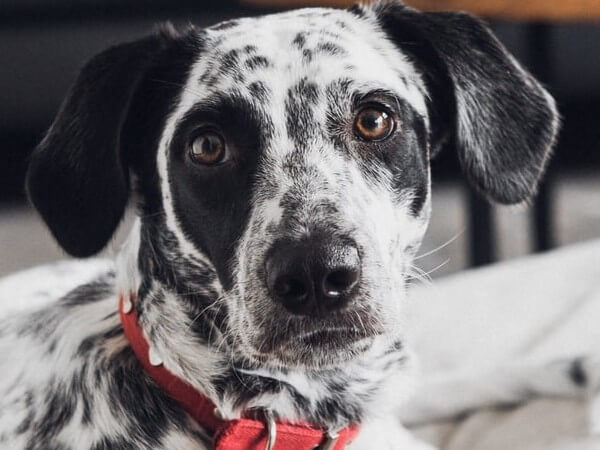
(313, 277)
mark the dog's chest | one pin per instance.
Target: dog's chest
(70, 381)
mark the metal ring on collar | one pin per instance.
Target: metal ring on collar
(271, 429)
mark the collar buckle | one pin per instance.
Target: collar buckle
(331, 438)
(329, 442)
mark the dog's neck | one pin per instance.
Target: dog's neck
(177, 302)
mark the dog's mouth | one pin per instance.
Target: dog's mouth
(318, 343)
(326, 347)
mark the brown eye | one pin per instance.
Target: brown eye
(207, 148)
(373, 124)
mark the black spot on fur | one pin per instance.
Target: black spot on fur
(397, 346)
(577, 373)
(92, 342)
(299, 105)
(307, 55)
(253, 385)
(419, 196)
(259, 91)
(330, 48)
(93, 291)
(230, 62)
(256, 62)
(140, 401)
(300, 40)
(52, 345)
(42, 324)
(58, 408)
(86, 413)
(25, 425)
(302, 403)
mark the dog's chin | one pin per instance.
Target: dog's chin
(324, 349)
(318, 349)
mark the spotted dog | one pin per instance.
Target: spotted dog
(280, 168)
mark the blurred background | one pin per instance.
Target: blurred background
(44, 43)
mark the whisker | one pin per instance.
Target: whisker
(445, 244)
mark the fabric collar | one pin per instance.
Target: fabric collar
(237, 434)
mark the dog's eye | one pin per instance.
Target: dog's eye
(373, 124)
(207, 148)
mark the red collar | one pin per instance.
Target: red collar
(238, 434)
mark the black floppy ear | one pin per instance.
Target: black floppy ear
(78, 175)
(503, 122)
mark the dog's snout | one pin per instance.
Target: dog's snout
(313, 277)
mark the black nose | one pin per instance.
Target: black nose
(313, 276)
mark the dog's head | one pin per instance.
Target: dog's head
(290, 155)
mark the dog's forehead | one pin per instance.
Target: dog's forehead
(273, 53)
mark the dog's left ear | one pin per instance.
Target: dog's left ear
(501, 119)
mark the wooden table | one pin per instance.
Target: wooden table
(526, 10)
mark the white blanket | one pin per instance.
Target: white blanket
(488, 324)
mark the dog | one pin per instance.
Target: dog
(281, 170)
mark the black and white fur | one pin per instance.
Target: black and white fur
(283, 89)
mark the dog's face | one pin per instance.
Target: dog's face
(290, 154)
(298, 163)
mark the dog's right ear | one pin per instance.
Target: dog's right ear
(78, 175)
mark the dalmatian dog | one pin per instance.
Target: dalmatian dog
(280, 168)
